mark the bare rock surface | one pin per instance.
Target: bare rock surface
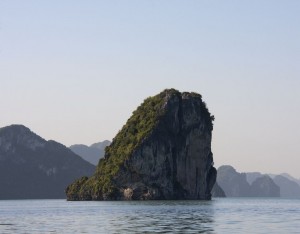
(162, 152)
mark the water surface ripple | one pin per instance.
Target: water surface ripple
(241, 215)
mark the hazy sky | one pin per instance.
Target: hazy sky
(74, 71)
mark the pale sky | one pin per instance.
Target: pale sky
(74, 71)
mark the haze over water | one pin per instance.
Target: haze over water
(74, 71)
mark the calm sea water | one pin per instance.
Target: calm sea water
(216, 216)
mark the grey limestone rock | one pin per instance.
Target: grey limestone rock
(172, 161)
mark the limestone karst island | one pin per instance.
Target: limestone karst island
(162, 152)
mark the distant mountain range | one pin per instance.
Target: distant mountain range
(255, 184)
(33, 168)
(92, 153)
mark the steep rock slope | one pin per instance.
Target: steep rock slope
(31, 167)
(286, 175)
(252, 176)
(217, 191)
(162, 152)
(233, 183)
(264, 186)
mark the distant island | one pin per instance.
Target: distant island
(255, 184)
(33, 168)
(162, 152)
(92, 153)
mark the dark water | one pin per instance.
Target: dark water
(216, 216)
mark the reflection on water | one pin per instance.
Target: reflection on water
(165, 216)
(217, 216)
(58, 216)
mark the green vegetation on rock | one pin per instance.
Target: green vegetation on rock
(138, 127)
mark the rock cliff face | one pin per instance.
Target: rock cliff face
(163, 152)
